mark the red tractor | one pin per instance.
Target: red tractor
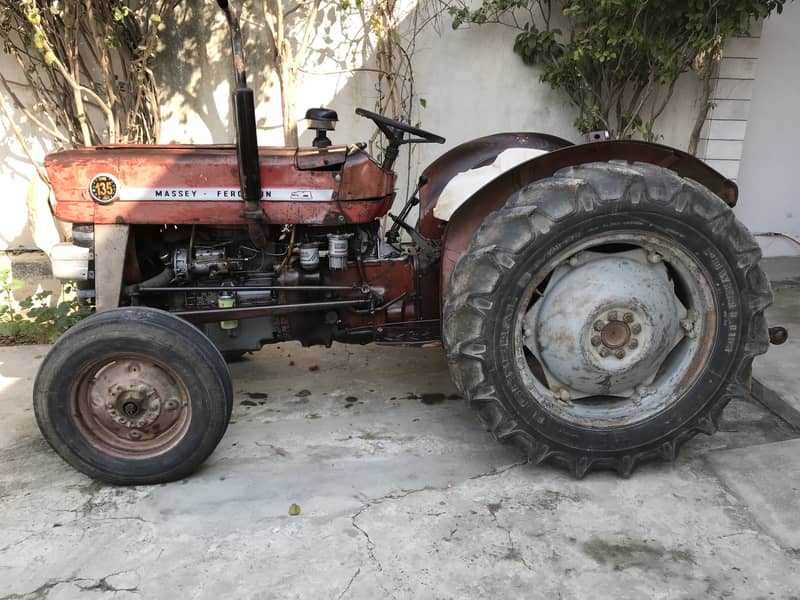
(599, 303)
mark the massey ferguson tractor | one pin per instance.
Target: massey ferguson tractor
(599, 303)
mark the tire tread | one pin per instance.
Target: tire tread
(544, 204)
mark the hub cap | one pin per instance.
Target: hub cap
(605, 324)
(131, 406)
(615, 329)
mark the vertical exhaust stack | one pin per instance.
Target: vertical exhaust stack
(244, 109)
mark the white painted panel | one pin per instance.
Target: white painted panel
(737, 110)
(729, 168)
(725, 130)
(742, 47)
(740, 68)
(733, 89)
(722, 149)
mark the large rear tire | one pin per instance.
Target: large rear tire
(606, 315)
(133, 396)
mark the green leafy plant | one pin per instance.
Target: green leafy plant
(34, 319)
(618, 60)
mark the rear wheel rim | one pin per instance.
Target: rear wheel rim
(130, 406)
(672, 377)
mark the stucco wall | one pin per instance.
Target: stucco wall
(473, 84)
(15, 173)
(767, 175)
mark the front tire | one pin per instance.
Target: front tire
(542, 321)
(133, 396)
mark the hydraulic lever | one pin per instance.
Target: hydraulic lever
(393, 235)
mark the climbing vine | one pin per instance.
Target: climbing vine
(84, 73)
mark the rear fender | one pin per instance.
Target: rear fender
(469, 216)
(471, 155)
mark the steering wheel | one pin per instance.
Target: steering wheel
(395, 132)
(390, 127)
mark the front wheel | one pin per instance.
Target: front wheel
(133, 396)
(606, 315)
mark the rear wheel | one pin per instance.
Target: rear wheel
(606, 315)
(133, 396)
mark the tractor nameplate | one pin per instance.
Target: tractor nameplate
(104, 188)
(131, 194)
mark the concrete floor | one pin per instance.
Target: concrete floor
(402, 495)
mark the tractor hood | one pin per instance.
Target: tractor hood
(185, 184)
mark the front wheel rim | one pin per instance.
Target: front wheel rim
(130, 406)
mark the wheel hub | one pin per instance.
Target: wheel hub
(132, 404)
(131, 409)
(605, 324)
(615, 334)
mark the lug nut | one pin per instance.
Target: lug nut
(636, 329)
(135, 434)
(633, 344)
(596, 340)
(628, 317)
(612, 316)
(603, 351)
(620, 353)
(599, 325)
(109, 406)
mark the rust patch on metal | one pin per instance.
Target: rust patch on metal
(470, 155)
(470, 215)
(615, 335)
(361, 190)
(130, 406)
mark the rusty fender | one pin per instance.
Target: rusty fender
(459, 230)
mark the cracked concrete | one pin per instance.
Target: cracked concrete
(402, 495)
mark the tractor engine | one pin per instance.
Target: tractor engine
(313, 284)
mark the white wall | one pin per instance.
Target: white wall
(722, 137)
(15, 173)
(769, 199)
(473, 83)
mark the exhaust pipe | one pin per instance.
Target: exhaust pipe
(245, 113)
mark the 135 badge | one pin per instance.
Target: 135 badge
(104, 188)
